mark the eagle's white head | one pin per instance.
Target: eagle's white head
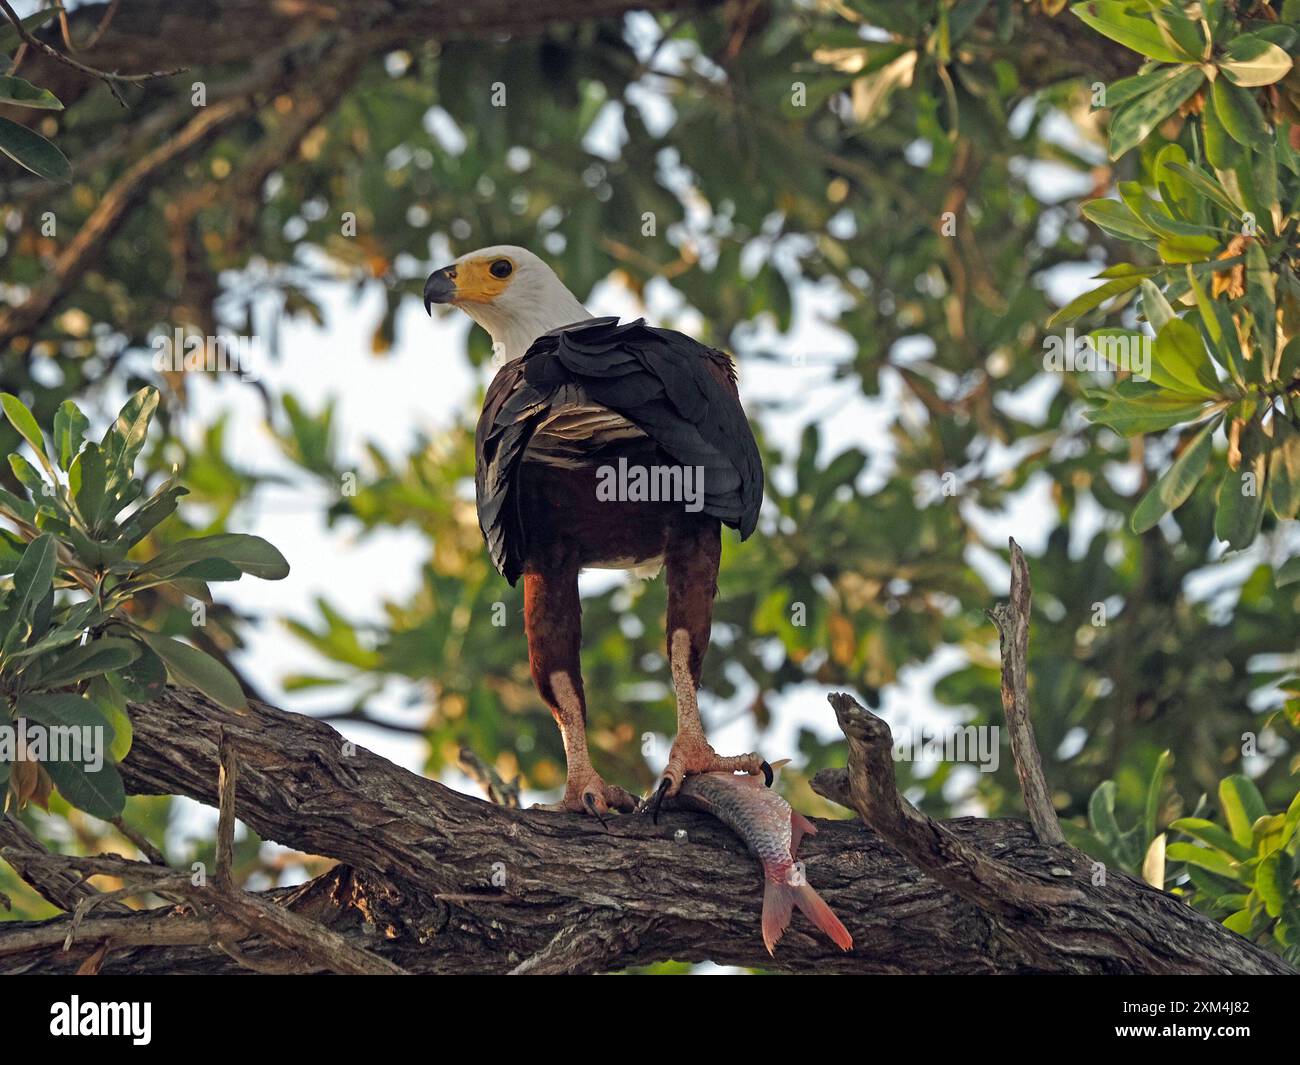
(510, 292)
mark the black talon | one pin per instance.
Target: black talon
(767, 774)
(589, 801)
(658, 800)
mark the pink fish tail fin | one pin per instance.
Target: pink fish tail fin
(815, 909)
(778, 904)
(800, 826)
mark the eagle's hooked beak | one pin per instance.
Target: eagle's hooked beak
(440, 288)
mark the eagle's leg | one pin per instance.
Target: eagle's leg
(553, 623)
(691, 561)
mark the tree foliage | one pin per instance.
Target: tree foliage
(71, 654)
(922, 179)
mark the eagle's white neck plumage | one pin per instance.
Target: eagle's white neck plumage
(535, 303)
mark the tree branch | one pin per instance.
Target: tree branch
(1012, 621)
(55, 886)
(435, 881)
(107, 78)
(112, 210)
(871, 790)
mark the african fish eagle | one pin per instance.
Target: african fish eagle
(578, 397)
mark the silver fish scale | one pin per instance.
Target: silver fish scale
(758, 815)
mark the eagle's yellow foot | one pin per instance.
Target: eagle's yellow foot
(586, 793)
(692, 753)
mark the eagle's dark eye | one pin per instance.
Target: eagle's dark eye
(502, 268)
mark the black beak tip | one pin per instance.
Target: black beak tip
(439, 288)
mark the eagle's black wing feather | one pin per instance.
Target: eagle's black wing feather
(679, 392)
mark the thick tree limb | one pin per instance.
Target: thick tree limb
(436, 881)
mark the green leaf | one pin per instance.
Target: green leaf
(112, 704)
(1112, 18)
(1240, 115)
(70, 427)
(1242, 806)
(1180, 33)
(1273, 882)
(1133, 123)
(1213, 860)
(193, 667)
(1156, 308)
(99, 791)
(1180, 353)
(1149, 412)
(1176, 484)
(1208, 187)
(1174, 191)
(32, 151)
(1268, 833)
(145, 678)
(73, 625)
(9, 37)
(1154, 788)
(1264, 177)
(1186, 249)
(1101, 813)
(1212, 885)
(33, 580)
(1261, 297)
(1097, 296)
(1223, 152)
(30, 477)
(150, 514)
(25, 94)
(17, 508)
(87, 478)
(88, 660)
(1284, 470)
(1240, 503)
(126, 436)
(21, 419)
(1116, 218)
(1208, 317)
(1121, 92)
(1291, 820)
(57, 709)
(251, 554)
(1288, 362)
(1251, 61)
(198, 572)
(1214, 835)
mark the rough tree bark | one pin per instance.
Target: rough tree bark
(436, 881)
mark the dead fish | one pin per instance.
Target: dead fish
(772, 831)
